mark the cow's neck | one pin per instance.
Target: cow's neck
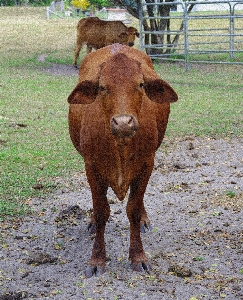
(123, 177)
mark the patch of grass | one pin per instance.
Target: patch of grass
(35, 146)
(61, 57)
(198, 258)
(217, 57)
(12, 208)
(210, 100)
(231, 194)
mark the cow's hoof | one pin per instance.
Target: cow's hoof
(141, 267)
(91, 228)
(96, 271)
(145, 227)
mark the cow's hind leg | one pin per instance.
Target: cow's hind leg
(89, 49)
(101, 213)
(76, 52)
(135, 213)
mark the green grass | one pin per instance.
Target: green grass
(208, 36)
(35, 146)
(210, 100)
(211, 57)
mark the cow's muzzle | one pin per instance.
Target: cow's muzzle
(124, 125)
(130, 44)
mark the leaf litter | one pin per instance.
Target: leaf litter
(194, 200)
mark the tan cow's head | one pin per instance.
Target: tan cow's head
(120, 87)
(128, 37)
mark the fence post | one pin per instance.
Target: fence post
(186, 50)
(232, 31)
(200, 43)
(141, 26)
(48, 12)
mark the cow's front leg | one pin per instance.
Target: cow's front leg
(136, 212)
(101, 213)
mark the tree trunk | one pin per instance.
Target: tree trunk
(163, 42)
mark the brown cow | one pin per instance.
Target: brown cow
(98, 33)
(117, 119)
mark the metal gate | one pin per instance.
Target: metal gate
(211, 33)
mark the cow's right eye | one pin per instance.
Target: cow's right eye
(101, 88)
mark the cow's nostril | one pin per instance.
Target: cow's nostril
(114, 121)
(130, 44)
(130, 121)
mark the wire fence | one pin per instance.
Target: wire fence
(212, 32)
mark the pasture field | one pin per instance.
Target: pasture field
(35, 148)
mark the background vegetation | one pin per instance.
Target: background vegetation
(35, 148)
(97, 3)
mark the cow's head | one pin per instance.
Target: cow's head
(121, 86)
(128, 37)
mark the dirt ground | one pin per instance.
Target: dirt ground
(194, 201)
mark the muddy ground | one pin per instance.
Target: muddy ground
(194, 200)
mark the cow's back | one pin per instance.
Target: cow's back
(99, 33)
(90, 65)
(87, 22)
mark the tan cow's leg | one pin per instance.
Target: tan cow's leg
(89, 49)
(100, 216)
(135, 213)
(76, 53)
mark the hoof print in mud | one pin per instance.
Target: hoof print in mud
(40, 258)
(180, 271)
(70, 216)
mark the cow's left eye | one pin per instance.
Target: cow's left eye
(141, 85)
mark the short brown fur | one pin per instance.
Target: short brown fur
(96, 33)
(119, 87)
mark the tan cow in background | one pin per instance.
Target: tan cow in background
(96, 33)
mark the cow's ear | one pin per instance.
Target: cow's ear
(137, 34)
(84, 93)
(160, 91)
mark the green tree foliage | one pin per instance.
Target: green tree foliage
(102, 3)
(25, 2)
